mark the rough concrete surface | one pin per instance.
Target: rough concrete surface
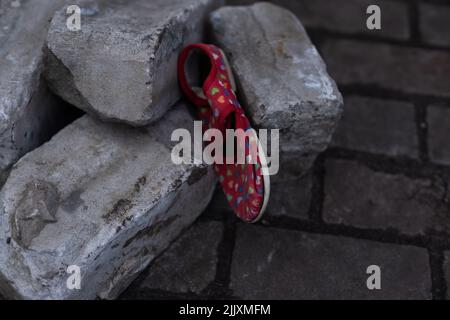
(29, 113)
(121, 65)
(104, 197)
(283, 82)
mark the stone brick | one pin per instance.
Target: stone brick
(447, 271)
(438, 134)
(435, 24)
(291, 198)
(3, 176)
(29, 113)
(271, 263)
(410, 70)
(358, 196)
(104, 197)
(122, 64)
(378, 126)
(283, 80)
(347, 16)
(189, 264)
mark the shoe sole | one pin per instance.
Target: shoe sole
(262, 156)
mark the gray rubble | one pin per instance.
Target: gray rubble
(104, 197)
(282, 81)
(122, 65)
(29, 113)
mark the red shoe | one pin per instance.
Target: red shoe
(246, 186)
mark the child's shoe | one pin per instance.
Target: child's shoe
(246, 186)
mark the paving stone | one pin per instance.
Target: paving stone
(104, 197)
(435, 24)
(358, 196)
(438, 134)
(378, 126)
(291, 198)
(122, 64)
(410, 70)
(348, 16)
(283, 82)
(286, 264)
(189, 265)
(29, 114)
(447, 271)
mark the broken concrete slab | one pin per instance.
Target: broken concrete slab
(104, 197)
(29, 113)
(282, 81)
(122, 65)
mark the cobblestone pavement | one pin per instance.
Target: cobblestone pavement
(378, 196)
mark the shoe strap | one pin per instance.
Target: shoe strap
(184, 84)
(220, 106)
